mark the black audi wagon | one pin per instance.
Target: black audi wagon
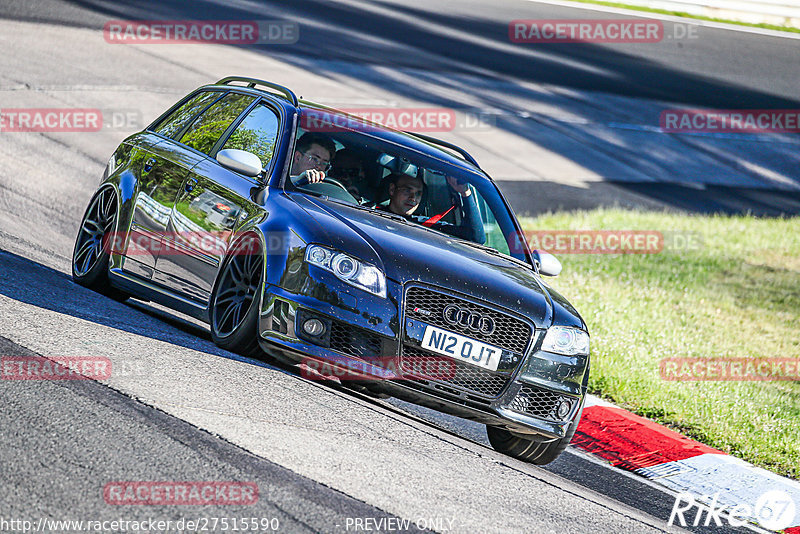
(386, 260)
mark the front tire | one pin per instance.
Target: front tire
(529, 450)
(235, 302)
(92, 249)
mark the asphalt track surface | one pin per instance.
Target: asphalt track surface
(319, 454)
(62, 437)
(714, 73)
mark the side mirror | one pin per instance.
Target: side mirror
(547, 263)
(240, 161)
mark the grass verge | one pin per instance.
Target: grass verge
(623, 5)
(735, 295)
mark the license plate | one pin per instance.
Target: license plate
(461, 348)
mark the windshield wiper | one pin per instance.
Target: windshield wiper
(387, 214)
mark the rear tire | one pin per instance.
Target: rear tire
(531, 450)
(235, 301)
(92, 249)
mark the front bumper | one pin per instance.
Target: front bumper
(371, 342)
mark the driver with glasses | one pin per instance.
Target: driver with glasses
(312, 158)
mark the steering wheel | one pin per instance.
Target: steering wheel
(328, 179)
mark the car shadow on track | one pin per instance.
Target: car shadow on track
(29, 282)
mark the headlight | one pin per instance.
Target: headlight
(348, 269)
(344, 266)
(567, 341)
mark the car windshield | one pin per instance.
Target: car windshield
(399, 182)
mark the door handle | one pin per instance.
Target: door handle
(148, 165)
(189, 186)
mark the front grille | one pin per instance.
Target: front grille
(354, 341)
(510, 333)
(538, 402)
(415, 362)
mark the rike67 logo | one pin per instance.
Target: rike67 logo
(774, 510)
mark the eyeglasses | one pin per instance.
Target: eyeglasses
(318, 162)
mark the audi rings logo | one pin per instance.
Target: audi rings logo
(472, 321)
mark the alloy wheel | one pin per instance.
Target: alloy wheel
(95, 232)
(238, 286)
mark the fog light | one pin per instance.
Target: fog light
(563, 408)
(313, 327)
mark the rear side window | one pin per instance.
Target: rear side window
(206, 130)
(179, 118)
(256, 133)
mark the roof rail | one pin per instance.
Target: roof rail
(252, 82)
(445, 144)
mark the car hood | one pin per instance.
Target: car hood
(409, 253)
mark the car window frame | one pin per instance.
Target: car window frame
(285, 137)
(286, 184)
(235, 124)
(177, 135)
(226, 132)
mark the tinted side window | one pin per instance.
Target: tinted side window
(206, 130)
(179, 118)
(256, 133)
